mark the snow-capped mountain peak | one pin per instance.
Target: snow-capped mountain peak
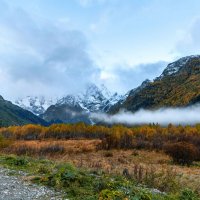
(105, 92)
(93, 99)
(176, 66)
(35, 104)
(70, 100)
(92, 92)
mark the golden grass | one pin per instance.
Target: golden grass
(84, 153)
(69, 146)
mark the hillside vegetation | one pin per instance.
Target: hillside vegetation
(171, 89)
(11, 114)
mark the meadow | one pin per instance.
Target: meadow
(157, 162)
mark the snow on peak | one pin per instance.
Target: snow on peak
(93, 99)
(105, 92)
(35, 104)
(71, 100)
(92, 91)
(174, 67)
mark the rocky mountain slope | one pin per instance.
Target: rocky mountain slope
(93, 99)
(67, 110)
(35, 104)
(97, 99)
(73, 109)
(11, 114)
(177, 86)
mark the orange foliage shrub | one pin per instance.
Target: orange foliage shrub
(118, 136)
(51, 147)
(182, 152)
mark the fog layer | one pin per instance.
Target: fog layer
(164, 116)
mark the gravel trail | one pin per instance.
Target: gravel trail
(14, 188)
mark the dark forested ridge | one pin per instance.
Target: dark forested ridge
(11, 114)
(65, 114)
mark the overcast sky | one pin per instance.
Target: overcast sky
(55, 47)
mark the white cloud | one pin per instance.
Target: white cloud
(124, 77)
(38, 56)
(189, 44)
(164, 116)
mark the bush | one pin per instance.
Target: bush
(188, 194)
(165, 180)
(23, 150)
(110, 194)
(108, 154)
(52, 149)
(4, 142)
(182, 152)
(16, 161)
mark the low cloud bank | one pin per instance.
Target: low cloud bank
(164, 116)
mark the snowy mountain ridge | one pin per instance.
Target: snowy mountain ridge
(36, 104)
(174, 67)
(93, 99)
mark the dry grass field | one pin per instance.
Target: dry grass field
(85, 154)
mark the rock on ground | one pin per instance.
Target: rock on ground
(14, 188)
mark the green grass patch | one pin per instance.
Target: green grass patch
(81, 184)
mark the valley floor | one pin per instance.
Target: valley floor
(154, 169)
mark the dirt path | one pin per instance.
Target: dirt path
(14, 188)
